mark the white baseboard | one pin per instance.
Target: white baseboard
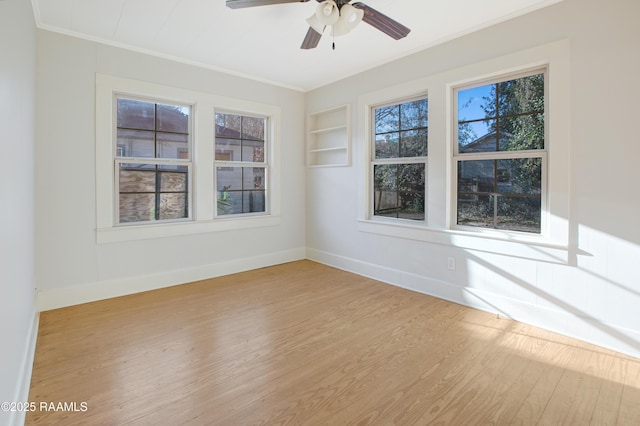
(91, 292)
(17, 418)
(590, 330)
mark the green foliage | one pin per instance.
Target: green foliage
(514, 113)
(517, 110)
(225, 204)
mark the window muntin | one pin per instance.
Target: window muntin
(240, 164)
(501, 154)
(400, 145)
(152, 161)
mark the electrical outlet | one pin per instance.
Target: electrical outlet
(451, 263)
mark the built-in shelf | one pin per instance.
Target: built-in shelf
(327, 130)
(329, 137)
(326, 149)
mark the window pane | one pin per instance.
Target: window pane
(399, 191)
(228, 125)
(135, 143)
(143, 134)
(401, 130)
(411, 187)
(477, 136)
(475, 210)
(229, 178)
(241, 190)
(519, 176)
(173, 118)
(253, 151)
(482, 183)
(386, 177)
(476, 103)
(240, 138)
(153, 192)
(137, 178)
(228, 149)
(172, 145)
(136, 114)
(413, 143)
(253, 178)
(521, 95)
(174, 181)
(137, 207)
(519, 214)
(518, 106)
(253, 201)
(413, 115)
(387, 145)
(522, 133)
(385, 190)
(229, 202)
(173, 206)
(253, 128)
(476, 176)
(387, 119)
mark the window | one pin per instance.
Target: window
(400, 160)
(240, 164)
(152, 161)
(513, 185)
(500, 153)
(173, 161)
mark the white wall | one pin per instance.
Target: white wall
(18, 319)
(593, 295)
(72, 267)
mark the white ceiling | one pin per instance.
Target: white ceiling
(264, 42)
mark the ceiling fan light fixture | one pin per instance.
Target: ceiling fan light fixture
(327, 13)
(328, 10)
(350, 17)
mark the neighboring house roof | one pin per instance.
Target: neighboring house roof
(486, 143)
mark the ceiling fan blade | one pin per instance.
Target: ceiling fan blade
(238, 4)
(311, 40)
(382, 22)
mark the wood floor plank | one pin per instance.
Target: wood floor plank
(607, 407)
(305, 344)
(629, 413)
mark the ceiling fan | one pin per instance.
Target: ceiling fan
(339, 14)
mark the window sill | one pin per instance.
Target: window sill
(163, 230)
(527, 247)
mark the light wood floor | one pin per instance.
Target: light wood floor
(304, 344)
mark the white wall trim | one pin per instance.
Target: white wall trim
(100, 290)
(23, 386)
(569, 324)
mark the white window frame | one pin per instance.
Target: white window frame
(395, 160)
(203, 217)
(501, 155)
(243, 164)
(553, 246)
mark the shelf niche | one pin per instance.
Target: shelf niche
(329, 137)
